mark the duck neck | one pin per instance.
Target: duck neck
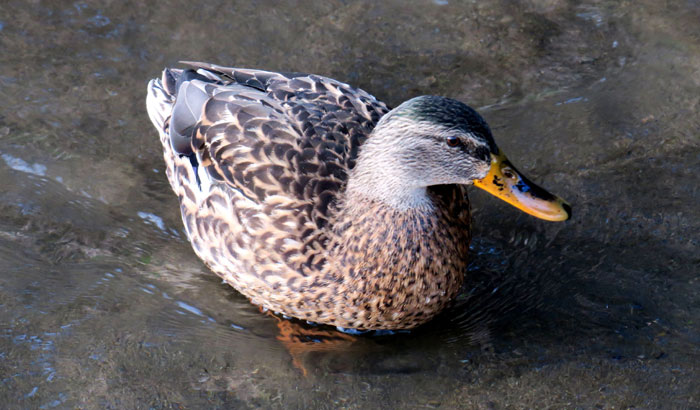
(382, 177)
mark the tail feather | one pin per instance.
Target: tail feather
(169, 80)
(159, 102)
(174, 102)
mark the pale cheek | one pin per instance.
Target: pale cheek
(483, 169)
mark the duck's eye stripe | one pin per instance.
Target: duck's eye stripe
(483, 153)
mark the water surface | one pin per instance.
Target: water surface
(103, 303)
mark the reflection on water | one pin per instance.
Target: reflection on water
(103, 303)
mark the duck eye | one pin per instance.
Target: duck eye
(453, 141)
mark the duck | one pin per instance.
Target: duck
(318, 202)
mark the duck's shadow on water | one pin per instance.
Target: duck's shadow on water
(525, 294)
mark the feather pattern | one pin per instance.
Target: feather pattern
(260, 162)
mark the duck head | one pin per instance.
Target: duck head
(430, 140)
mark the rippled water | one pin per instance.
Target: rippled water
(103, 303)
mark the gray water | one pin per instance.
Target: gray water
(103, 304)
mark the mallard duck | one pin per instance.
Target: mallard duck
(315, 200)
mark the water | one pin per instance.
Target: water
(103, 303)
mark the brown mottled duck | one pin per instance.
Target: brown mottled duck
(315, 200)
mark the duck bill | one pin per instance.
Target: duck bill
(505, 182)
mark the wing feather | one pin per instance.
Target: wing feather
(269, 134)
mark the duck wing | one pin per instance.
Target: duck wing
(267, 133)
